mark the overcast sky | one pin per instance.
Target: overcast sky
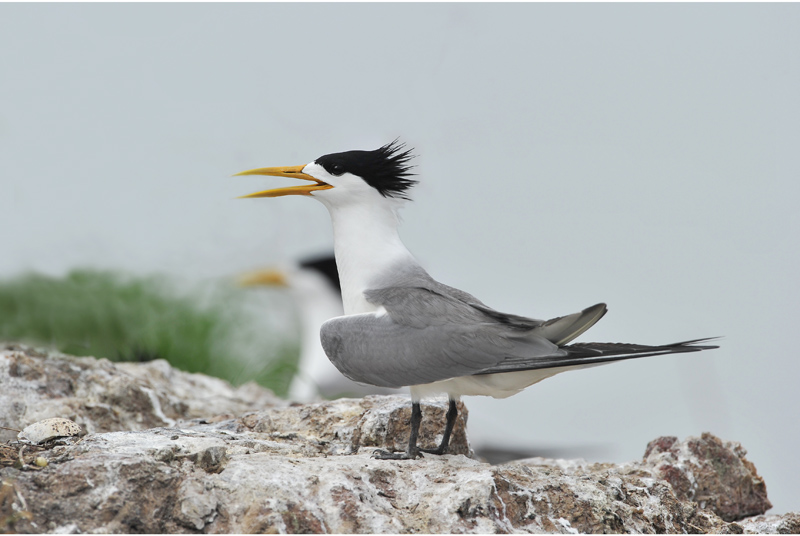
(641, 155)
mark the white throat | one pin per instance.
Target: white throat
(367, 247)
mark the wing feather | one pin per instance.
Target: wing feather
(433, 332)
(425, 336)
(598, 353)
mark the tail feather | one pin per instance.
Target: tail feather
(564, 329)
(596, 353)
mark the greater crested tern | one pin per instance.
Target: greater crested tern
(403, 328)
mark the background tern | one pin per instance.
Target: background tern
(314, 283)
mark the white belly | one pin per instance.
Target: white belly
(500, 385)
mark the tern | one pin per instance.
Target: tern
(314, 284)
(403, 328)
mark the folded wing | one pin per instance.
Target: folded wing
(422, 335)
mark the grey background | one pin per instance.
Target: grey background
(641, 155)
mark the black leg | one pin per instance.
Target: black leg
(412, 451)
(452, 413)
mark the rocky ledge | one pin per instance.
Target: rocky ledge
(167, 451)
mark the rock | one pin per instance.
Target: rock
(785, 524)
(709, 472)
(247, 462)
(346, 425)
(42, 431)
(102, 396)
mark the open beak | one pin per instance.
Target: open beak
(291, 171)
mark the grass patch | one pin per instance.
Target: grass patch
(214, 328)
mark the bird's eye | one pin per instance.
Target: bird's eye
(336, 169)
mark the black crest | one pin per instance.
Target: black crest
(385, 169)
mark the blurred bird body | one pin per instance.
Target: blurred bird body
(314, 284)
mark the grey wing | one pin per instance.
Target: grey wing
(426, 336)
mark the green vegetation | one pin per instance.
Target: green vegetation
(214, 328)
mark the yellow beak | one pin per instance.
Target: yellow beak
(291, 171)
(269, 277)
